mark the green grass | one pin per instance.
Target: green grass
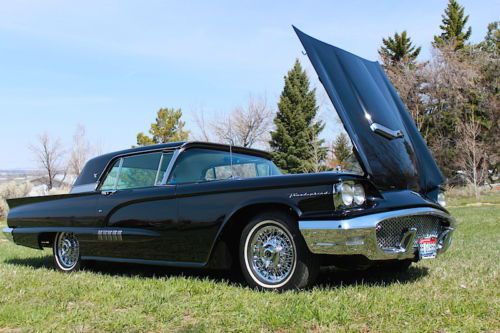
(457, 292)
(485, 199)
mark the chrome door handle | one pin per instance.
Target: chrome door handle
(386, 132)
(108, 192)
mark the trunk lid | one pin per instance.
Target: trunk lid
(385, 137)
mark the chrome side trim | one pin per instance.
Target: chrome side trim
(110, 235)
(8, 233)
(357, 235)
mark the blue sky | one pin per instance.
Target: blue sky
(110, 65)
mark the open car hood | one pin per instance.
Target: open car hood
(389, 146)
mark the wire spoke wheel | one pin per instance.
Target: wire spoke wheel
(270, 253)
(66, 251)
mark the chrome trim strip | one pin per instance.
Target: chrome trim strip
(166, 175)
(110, 235)
(386, 132)
(334, 236)
(158, 169)
(8, 233)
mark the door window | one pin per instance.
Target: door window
(144, 170)
(112, 177)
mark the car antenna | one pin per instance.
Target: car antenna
(231, 148)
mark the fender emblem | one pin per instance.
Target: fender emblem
(308, 194)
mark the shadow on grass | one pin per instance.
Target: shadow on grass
(329, 278)
(333, 278)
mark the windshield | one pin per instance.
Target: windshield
(201, 165)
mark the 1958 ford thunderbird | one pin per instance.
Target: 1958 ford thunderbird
(205, 205)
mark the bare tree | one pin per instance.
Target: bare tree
(246, 126)
(471, 157)
(203, 126)
(409, 82)
(80, 151)
(48, 153)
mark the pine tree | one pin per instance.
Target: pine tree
(296, 127)
(453, 27)
(398, 50)
(342, 150)
(168, 128)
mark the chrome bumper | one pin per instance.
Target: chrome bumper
(7, 232)
(358, 235)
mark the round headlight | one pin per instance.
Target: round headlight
(347, 194)
(441, 199)
(359, 194)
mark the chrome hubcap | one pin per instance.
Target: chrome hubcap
(67, 250)
(271, 254)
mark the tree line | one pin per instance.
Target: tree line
(452, 97)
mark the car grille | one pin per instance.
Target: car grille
(390, 231)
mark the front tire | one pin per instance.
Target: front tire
(273, 254)
(66, 249)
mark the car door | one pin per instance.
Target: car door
(135, 211)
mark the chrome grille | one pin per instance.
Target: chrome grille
(390, 231)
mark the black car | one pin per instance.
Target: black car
(206, 205)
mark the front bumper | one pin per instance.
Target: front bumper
(358, 235)
(7, 232)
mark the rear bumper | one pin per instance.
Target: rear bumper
(358, 235)
(7, 232)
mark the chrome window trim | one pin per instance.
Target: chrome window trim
(158, 169)
(118, 176)
(170, 167)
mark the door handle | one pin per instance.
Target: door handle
(109, 192)
(386, 132)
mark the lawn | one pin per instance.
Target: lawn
(457, 292)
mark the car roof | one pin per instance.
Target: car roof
(96, 166)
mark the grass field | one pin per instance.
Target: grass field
(459, 291)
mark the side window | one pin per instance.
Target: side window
(112, 177)
(201, 165)
(137, 171)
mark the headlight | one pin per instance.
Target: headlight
(359, 194)
(347, 193)
(441, 199)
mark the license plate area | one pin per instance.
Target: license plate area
(427, 248)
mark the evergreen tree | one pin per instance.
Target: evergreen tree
(167, 128)
(453, 27)
(398, 50)
(296, 128)
(342, 150)
(491, 41)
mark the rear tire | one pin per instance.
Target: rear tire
(66, 249)
(273, 254)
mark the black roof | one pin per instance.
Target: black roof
(95, 167)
